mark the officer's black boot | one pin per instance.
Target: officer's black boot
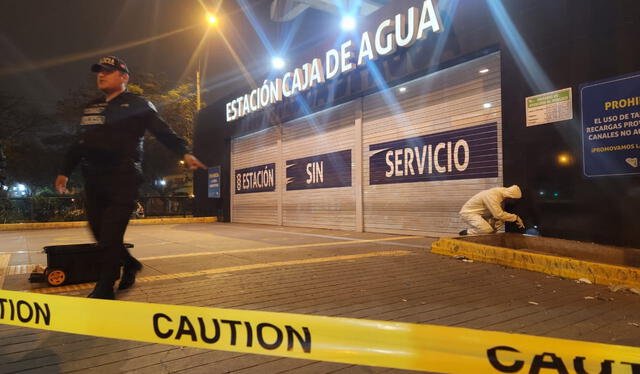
(131, 267)
(463, 232)
(103, 290)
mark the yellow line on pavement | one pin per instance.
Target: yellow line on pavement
(74, 224)
(346, 242)
(25, 269)
(4, 268)
(230, 269)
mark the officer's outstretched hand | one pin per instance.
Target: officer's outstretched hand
(519, 223)
(192, 162)
(61, 184)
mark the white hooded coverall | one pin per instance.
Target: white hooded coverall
(484, 211)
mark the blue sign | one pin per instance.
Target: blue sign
(256, 179)
(214, 182)
(467, 153)
(321, 171)
(611, 126)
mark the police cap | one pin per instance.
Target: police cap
(110, 63)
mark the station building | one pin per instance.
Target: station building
(392, 128)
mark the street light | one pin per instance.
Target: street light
(19, 190)
(348, 23)
(212, 21)
(278, 63)
(564, 159)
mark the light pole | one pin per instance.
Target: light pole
(198, 87)
(212, 20)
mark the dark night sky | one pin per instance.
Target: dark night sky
(46, 47)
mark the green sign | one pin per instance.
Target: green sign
(549, 107)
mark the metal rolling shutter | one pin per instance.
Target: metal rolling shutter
(449, 101)
(325, 133)
(249, 152)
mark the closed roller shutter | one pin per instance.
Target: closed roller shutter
(252, 159)
(405, 190)
(318, 154)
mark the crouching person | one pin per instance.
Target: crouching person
(484, 212)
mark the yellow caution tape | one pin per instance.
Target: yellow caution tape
(346, 340)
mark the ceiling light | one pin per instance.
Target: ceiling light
(278, 63)
(348, 23)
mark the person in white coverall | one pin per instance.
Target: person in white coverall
(484, 212)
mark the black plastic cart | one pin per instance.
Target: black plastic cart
(67, 264)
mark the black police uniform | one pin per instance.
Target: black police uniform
(109, 148)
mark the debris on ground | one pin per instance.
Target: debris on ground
(620, 287)
(598, 297)
(463, 259)
(584, 280)
(617, 287)
(634, 324)
(533, 303)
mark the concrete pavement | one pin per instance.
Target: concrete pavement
(360, 275)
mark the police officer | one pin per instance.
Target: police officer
(109, 147)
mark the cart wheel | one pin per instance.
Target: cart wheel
(56, 277)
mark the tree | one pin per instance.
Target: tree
(69, 109)
(17, 117)
(25, 133)
(178, 107)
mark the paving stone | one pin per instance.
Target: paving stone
(416, 287)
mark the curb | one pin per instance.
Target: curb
(597, 273)
(66, 225)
